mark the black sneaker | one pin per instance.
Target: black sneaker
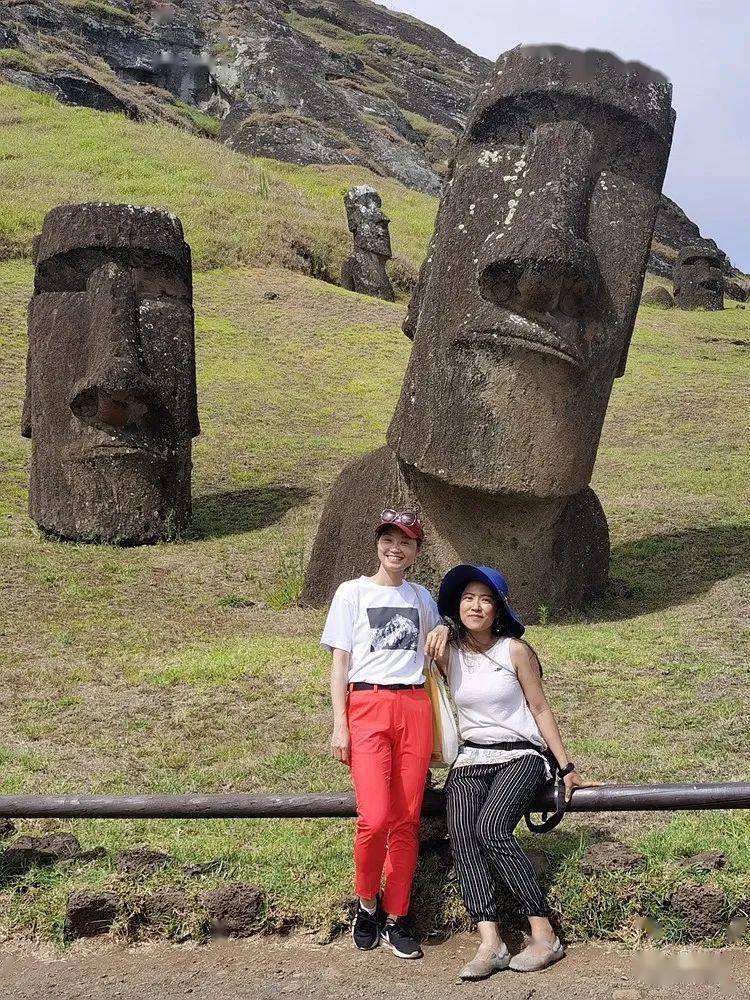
(399, 940)
(366, 927)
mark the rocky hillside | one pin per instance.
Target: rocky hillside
(308, 81)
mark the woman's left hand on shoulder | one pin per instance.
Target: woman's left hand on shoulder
(436, 642)
(573, 781)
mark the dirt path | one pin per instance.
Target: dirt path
(267, 969)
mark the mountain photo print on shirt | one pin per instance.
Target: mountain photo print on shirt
(394, 628)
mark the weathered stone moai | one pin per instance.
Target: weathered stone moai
(111, 405)
(698, 279)
(364, 270)
(521, 320)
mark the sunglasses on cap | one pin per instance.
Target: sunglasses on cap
(405, 517)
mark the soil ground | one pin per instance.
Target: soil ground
(263, 968)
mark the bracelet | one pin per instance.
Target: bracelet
(567, 769)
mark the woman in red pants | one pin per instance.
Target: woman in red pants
(383, 724)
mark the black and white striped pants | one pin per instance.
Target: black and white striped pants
(484, 804)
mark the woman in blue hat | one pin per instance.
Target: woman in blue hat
(505, 724)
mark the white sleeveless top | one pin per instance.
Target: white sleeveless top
(491, 705)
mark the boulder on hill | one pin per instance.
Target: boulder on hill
(659, 297)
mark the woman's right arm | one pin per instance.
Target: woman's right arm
(339, 681)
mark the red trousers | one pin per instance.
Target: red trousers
(391, 746)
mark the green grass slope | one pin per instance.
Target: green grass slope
(189, 667)
(235, 210)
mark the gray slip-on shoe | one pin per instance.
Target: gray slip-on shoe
(481, 968)
(531, 960)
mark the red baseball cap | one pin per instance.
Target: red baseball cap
(406, 520)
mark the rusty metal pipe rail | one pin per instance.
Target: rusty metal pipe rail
(320, 805)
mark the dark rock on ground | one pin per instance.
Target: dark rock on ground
(234, 909)
(702, 907)
(706, 860)
(659, 297)
(141, 861)
(27, 852)
(164, 904)
(611, 856)
(91, 913)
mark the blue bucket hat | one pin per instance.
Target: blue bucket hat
(454, 582)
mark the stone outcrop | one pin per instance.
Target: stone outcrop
(521, 321)
(111, 405)
(364, 270)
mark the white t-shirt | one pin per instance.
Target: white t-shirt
(380, 627)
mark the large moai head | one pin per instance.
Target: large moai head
(366, 220)
(698, 279)
(111, 402)
(525, 306)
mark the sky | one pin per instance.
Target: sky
(703, 46)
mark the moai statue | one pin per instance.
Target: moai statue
(698, 279)
(111, 405)
(521, 320)
(364, 271)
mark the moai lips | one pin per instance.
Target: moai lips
(111, 402)
(698, 279)
(521, 321)
(364, 270)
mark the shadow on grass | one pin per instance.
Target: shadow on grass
(656, 572)
(235, 512)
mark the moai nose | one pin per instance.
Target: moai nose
(117, 392)
(536, 258)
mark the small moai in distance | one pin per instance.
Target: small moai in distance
(698, 279)
(364, 270)
(521, 321)
(111, 401)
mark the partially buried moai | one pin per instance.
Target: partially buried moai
(698, 279)
(521, 321)
(364, 270)
(111, 404)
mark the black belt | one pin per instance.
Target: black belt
(512, 745)
(365, 686)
